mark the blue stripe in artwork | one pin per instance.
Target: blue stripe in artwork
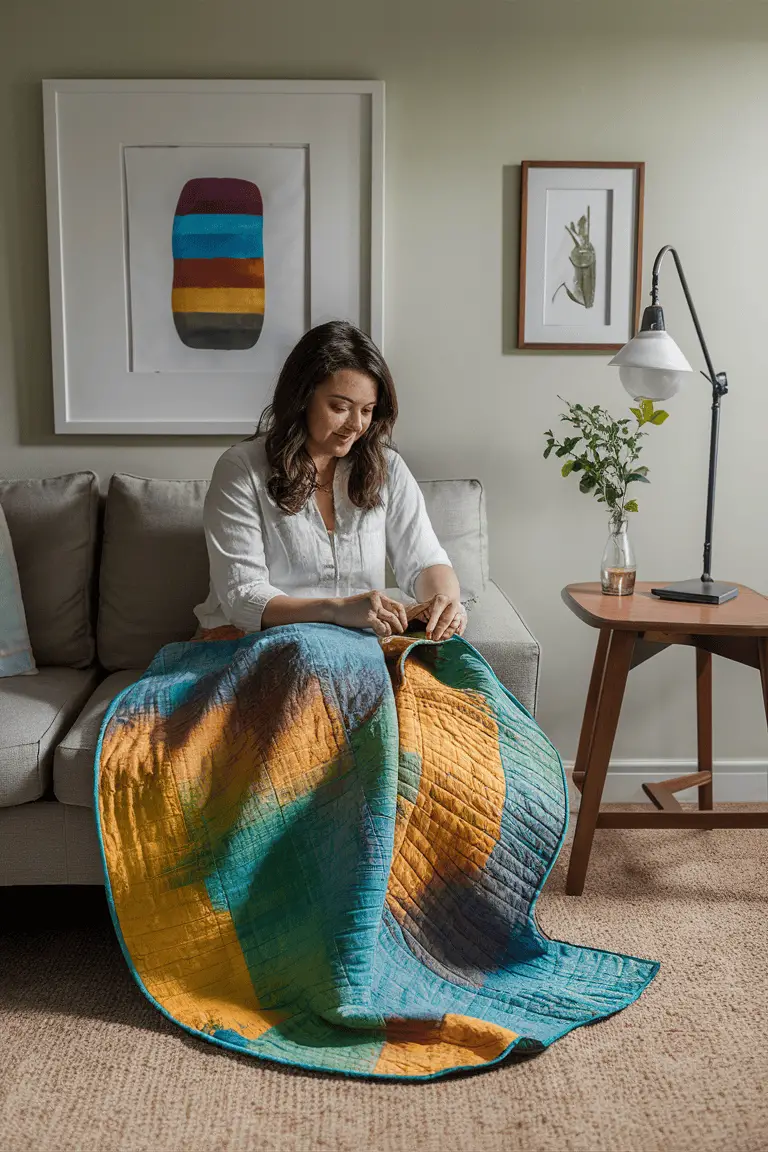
(208, 235)
(228, 222)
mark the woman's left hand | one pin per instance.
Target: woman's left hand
(444, 616)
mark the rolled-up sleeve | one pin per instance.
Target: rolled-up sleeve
(233, 536)
(412, 544)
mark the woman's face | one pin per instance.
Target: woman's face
(340, 412)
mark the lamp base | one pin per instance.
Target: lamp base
(698, 591)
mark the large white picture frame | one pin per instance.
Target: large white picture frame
(117, 153)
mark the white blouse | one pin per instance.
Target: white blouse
(257, 551)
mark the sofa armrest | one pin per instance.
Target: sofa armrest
(499, 634)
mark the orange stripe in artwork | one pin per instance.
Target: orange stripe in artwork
(418, 1049)
(229, 300)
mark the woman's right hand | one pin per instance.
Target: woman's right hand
(374, 610)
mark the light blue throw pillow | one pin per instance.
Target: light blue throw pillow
(16, 657)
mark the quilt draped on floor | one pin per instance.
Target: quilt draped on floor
(325, 850)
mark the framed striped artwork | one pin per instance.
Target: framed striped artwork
(196, 230)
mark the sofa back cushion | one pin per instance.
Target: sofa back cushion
(16, 658)
(154, 567)
(456, 509)
(154, 563)
(53, 527)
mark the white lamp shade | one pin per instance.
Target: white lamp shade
(651, 366)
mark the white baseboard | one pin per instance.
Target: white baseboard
(740, 781)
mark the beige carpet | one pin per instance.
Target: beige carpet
(87, 1065)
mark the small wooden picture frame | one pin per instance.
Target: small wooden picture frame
(581, 254)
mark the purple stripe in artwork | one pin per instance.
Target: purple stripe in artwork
(219, 194)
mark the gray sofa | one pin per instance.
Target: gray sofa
(106, 582)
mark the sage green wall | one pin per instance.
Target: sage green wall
(473, 89)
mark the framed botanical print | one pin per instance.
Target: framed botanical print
(581, 240)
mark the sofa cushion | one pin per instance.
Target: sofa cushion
(35, 712)
(154, 568)
(16, 657)
(52, 523)
(456, 510)
(73, 760)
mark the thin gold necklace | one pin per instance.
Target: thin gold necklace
(327, 485)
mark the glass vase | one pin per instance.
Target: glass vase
(617, 571)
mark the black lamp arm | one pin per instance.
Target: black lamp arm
(719, 382)
(721, 385)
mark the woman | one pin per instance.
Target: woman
(299, 520)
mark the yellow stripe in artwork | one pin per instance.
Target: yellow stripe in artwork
(418, 1049)
(229, 300)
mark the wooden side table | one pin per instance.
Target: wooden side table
(632, 630)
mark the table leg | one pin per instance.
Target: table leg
(704, 722)
(608, 709)
(590, 708)
(762, 652)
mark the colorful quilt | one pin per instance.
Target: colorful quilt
(325, 850)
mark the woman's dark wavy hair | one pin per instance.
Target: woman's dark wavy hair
(323, 350)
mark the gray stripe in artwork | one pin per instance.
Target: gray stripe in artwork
(228, 331)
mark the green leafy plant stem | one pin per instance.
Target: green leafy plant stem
(604, 452)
